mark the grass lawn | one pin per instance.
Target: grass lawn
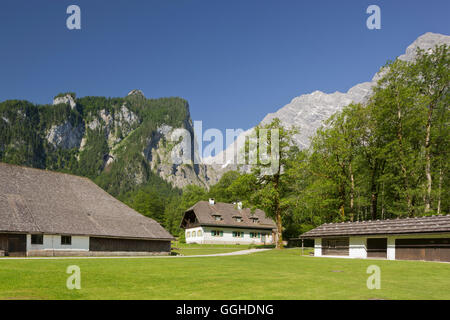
(266, 275)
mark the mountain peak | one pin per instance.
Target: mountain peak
(136, 92)
(309, 111)
(425, 42)
(65, 98)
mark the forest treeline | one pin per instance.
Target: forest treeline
(385, 159)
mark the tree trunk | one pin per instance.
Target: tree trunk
(440, 191)
(352, 193)
(402, 159)
(279, 242)
(279, 231)
(428, 161)
(374, 194)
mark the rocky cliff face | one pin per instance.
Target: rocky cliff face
(121, 142)
(309, 111)
(168, 158)
(65, 135)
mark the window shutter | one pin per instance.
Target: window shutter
(221, 233)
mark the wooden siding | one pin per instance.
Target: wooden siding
(3, 244)
(335, 247)
(128, 245)
(14, 245)
(423, 249)
(377, 247)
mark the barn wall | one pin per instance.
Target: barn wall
(13, 244)
(3, 244)
(391, 248)
(391, 241)
(128, 245)
(421, 236)
(358, 247)
(317, 247)
(52, 246)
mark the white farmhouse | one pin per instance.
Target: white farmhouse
(208, 222)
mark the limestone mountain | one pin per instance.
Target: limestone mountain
(308, 111)
(121, 143)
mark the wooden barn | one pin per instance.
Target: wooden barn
(44, 213)
(424, 238)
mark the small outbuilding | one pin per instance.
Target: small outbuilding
(44, 213)
(424, 238)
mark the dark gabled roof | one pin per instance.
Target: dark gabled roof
(205, 212)
(430, 224)
(39, 201)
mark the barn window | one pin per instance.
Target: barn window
(336, 247)
(37, 239)
(199, 233)
(188, 234)
(193, 233)
(66, 240)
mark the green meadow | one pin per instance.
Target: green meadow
(274, 274)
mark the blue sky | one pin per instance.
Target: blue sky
(234, 60)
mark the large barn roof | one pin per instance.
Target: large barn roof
(39, 201)
(431, 224)
(205, 214)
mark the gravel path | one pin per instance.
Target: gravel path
(234, 253)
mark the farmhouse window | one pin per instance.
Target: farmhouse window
(238, 234)
(37, 239)
(216, 233)
(66, 240)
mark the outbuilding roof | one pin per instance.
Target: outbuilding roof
(40, 201)
(431, 224)
(205, 214)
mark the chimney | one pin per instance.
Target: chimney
(211, 201)
(239, 205)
